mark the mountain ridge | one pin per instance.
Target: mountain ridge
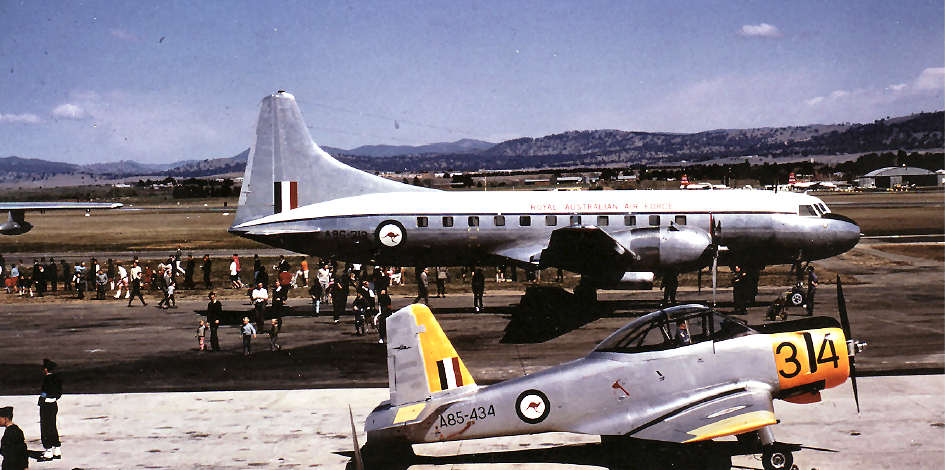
(599, 147)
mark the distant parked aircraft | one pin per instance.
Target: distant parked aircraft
(16, 223)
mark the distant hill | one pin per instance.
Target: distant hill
(459, 146)
(36, 166)
(131, 167)
(211, 166)
(606, 147)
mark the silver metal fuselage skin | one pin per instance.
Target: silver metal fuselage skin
(583, 398)
(756, 234)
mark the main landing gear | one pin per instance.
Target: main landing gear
(774, 455)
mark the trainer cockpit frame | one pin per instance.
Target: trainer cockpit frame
(661, 330)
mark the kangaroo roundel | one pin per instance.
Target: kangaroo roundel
(390, 233)
(532, 406)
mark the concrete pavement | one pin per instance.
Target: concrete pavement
(902, 425)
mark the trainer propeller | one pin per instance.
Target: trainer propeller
(358, 462)
(853, 346)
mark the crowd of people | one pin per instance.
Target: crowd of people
(327, 283)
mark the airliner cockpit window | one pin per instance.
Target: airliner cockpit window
(806, 211)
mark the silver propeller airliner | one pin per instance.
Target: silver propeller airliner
(297, 197)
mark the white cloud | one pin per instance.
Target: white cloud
(763, 30)
(932, 78)
(68, 111)
(27, 118)
(815, 100)
(147, 126)
(123, 35)
(897, 87)
(837, 94)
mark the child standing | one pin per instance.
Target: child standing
(316, 291)
(201, 335)
(274, 335)
(360, 307)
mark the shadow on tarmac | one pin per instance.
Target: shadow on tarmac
(628, 455)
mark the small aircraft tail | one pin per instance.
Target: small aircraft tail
(421, 361)
(286, 169)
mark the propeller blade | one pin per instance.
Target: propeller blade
(358, 463)
(856, 395)
(842, 309)
(845, 324)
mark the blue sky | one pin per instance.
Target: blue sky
(163, 81)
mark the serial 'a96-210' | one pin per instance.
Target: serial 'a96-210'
(296, 196)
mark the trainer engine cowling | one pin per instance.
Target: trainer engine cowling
(15, 224)
(680, 248)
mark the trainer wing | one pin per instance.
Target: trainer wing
(729, 412)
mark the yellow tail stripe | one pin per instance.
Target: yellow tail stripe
(435, 346)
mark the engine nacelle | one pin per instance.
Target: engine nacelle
(15, 224)
(669, 248)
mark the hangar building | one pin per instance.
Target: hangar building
(892, 176)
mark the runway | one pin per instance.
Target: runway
(902, 425)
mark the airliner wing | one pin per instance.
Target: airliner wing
(582, 250)
(577, 249)
(34, 206)
(524, 252)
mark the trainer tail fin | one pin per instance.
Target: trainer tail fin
(286, 169)
(421, 361)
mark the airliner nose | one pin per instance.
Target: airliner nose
(845, 232)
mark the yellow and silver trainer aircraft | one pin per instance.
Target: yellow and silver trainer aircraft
(673, 379)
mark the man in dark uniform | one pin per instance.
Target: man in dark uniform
(478, 288)
(13, 444)
(739, 280)
(65, 275)
(383, 300)
(670, 286)
(52, 274)
(214, 312)
(811, 290)
(205, 267)
(189, 269)
(49, 396)
(339, 300)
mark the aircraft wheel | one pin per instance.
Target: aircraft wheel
(773, 458)
(797, 299)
